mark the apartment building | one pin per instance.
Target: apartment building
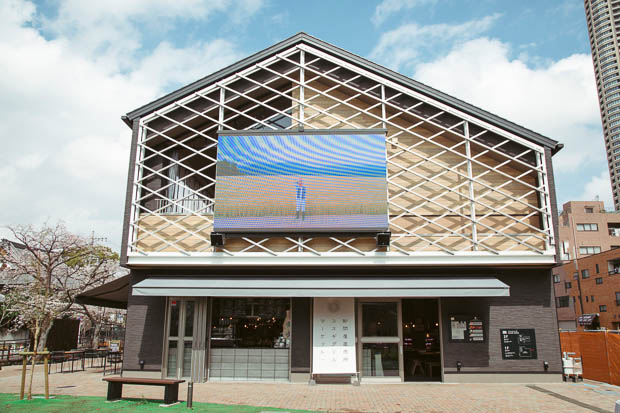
(603, 19)
(587, 292)
(586, 228)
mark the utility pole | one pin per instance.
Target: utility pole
(94, 239)
(575, 260)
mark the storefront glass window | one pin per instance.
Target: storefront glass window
(187, 358)
(172, 358)
(250, 338)
(189, 319)
(379, 319)
(174, 319)
(380, 360)
(251, 323)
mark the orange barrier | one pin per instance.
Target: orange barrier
(613, 353)
(599, 352)
(570, 343)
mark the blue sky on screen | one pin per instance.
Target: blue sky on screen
(71, 68)
(316, 155)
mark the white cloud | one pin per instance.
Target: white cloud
(403, 45)
(111, 32)
(170, 66)
(558, 100)
(65, 85)
(388, 8)
(599, 186)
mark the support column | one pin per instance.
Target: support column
(470, 176)
(301, 341)
(138, 171)
(220, 119)
(199, 341)
(543, 199)
(302, 79)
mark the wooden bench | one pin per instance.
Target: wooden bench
(171, 392)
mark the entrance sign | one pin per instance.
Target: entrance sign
(333, 346)
(518, 344)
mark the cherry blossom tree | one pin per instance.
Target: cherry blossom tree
(51, 267)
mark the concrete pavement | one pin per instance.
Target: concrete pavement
(406, 397)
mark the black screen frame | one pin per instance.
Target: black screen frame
(310, 232)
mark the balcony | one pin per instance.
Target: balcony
(613, 229)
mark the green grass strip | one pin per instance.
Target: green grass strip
(63, 404)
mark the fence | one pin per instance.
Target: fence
(599, 352)
(10, 349)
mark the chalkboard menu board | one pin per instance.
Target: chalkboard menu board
(466, 329)
(518, 344)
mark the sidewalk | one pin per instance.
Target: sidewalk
(414, 397)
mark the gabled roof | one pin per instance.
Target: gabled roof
(354, 59)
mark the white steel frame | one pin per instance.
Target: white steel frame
(536, 245)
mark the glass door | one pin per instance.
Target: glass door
(380, 341)
(180, 337)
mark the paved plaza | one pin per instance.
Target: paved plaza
(414, 397)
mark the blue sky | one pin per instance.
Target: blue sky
(71, 68)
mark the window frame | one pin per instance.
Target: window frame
(589, 249)
(562, 301)
(587, 227)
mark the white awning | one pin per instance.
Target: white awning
(321, 287)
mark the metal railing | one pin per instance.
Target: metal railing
(184, 206)
(10, 349)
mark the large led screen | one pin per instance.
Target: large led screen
(301, 183)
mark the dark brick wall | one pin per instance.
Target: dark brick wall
(300, 335)
(530, 305)
(144, 334)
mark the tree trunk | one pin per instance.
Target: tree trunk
(46, 327)
(37, 333)
(96, 335)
